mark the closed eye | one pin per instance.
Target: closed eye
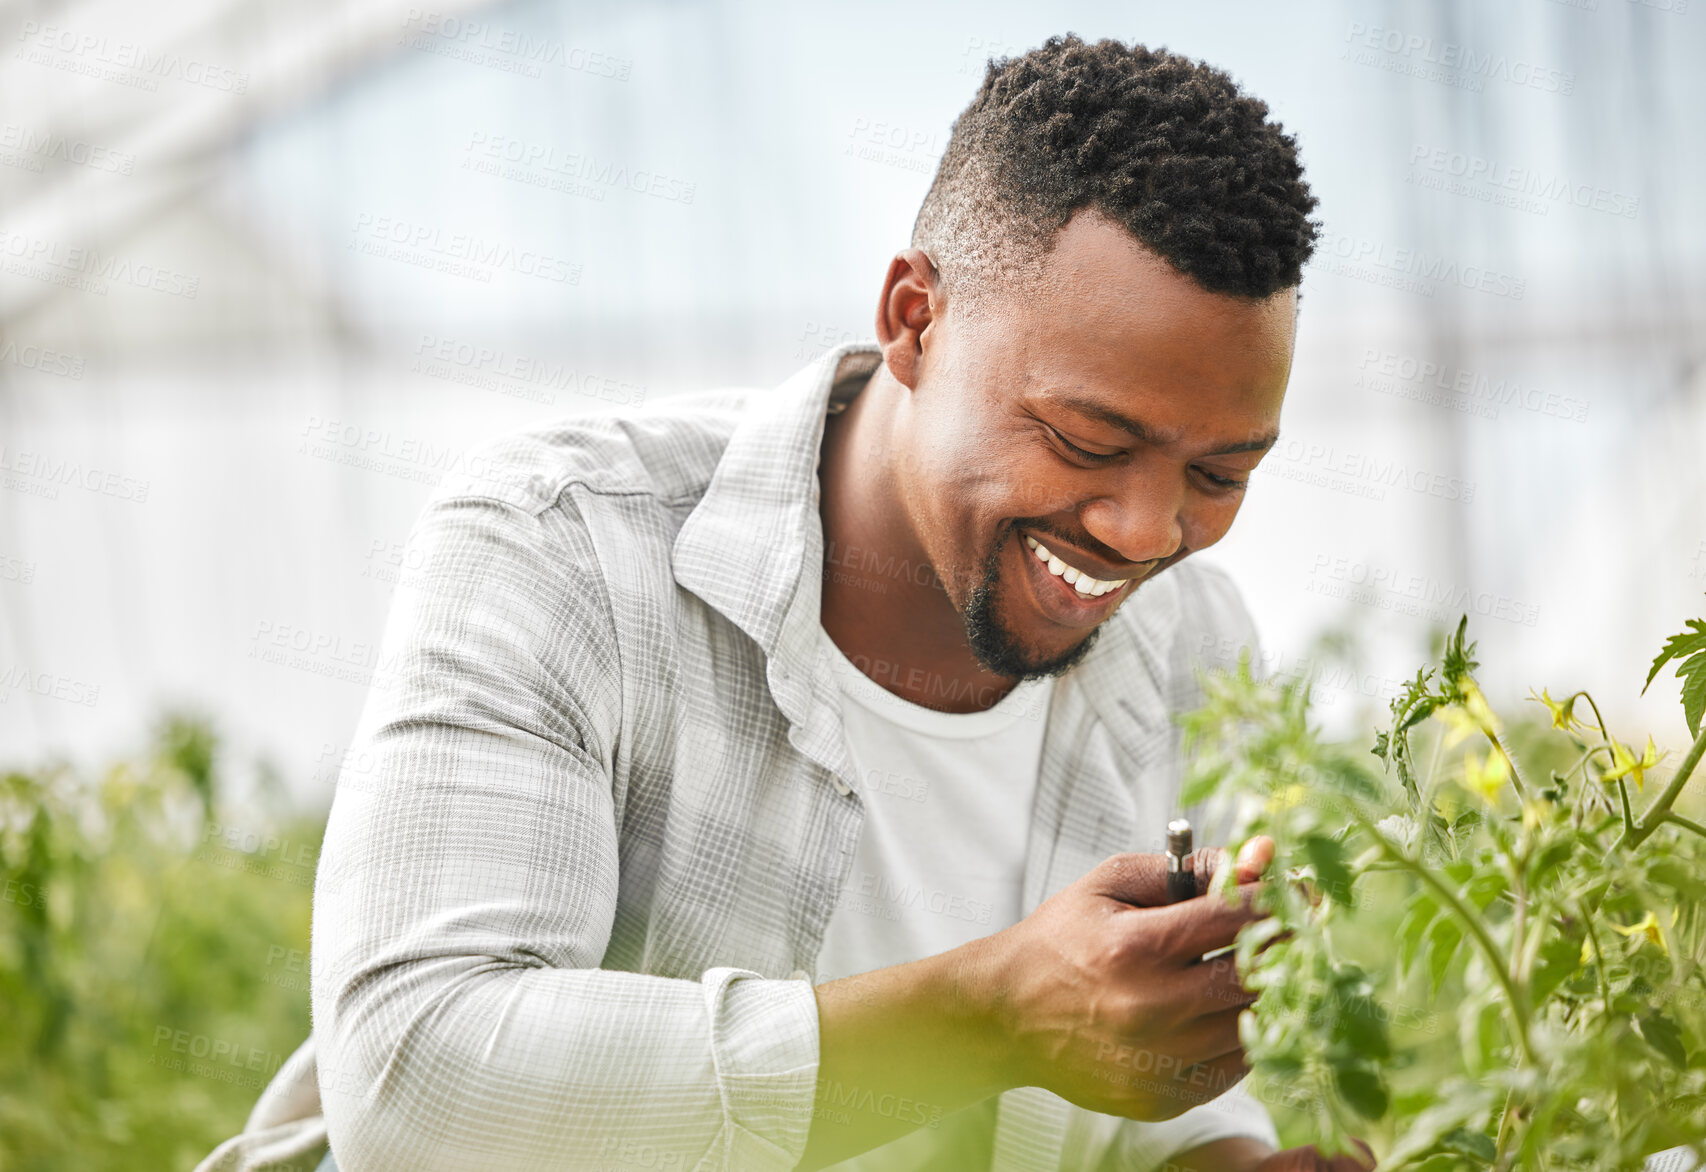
(1222, 481)
(1080, 453)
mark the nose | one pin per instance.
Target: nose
(1141, 523)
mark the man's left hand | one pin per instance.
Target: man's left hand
(1310, 1160)
(1248, 1155)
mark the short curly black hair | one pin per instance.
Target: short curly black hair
(1156, 142)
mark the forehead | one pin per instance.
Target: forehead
(1105, 315)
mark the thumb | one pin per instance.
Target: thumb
(1137, 879)
(1253, 858)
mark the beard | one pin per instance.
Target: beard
(997, 646)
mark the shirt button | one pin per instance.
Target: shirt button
(841, 787)
(799, 975)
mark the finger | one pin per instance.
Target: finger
(1211, 1036)
(1253, 858)
(1311, 1157)
(1211, 1079)
(1218, 985)
(1184, 931)
(1355, 1163)
(1140, 879)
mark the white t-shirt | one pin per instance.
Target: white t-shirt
(947, 797)
(940, 862)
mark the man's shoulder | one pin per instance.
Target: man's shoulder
(666, 450)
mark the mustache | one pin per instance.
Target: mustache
(1047, 528)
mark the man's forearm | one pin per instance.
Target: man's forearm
(900, 1048)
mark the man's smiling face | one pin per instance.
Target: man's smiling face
(1107, 416)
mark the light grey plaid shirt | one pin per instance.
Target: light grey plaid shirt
(570, 896)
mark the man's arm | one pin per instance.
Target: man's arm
(467, 893)
(1067, 1000)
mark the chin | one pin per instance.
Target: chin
(1009, 652)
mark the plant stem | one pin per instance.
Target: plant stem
(1472, 924)
(1686, 823)
(1516, 774)
(1604, 735)
(1598, 958)
(1628, 813)
(1657, 813)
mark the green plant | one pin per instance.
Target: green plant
(1480, 955)
(152, 964)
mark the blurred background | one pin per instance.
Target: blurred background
(270, 268)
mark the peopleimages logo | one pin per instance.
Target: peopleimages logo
(1360, 473)
(1411, 269)
(1448, 62)
(507, 50)
(38, 474)
(491, 368)
(1499, 182)
(455, 253)
(1416, 595)
(569, 172)
(121, 62)
(87, 269)
(21, 146)
(1441, 384)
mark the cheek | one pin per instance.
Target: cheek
(1207, 520)
(1030, 491)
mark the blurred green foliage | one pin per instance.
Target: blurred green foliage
(1488, 938)
(153, 959)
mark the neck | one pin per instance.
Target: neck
(883, 602)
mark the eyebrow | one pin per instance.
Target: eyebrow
(1091, 409)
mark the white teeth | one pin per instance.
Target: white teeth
(1085, 585)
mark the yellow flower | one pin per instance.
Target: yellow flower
(1486, 778)
(1624, 763)
(1472, 717)
(1459, 725)
(1286, 798)
(1563, 714)
(1648, 926)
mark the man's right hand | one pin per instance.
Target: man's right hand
(1100, 995)
(1105, 996)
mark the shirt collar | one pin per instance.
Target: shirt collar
(744, 548)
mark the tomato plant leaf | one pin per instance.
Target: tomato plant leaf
(1413, 929)
(1458, 663)
(1360, 1087)
(1560, 956)
(1331, 871)
(1548, 859)
(1690, 647)
(1474, 1144)
(1678, 878)
(1663, 1035)
(1443, 939)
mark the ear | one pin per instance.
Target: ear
(911, 301)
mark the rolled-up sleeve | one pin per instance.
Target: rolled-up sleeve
(467, 890)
